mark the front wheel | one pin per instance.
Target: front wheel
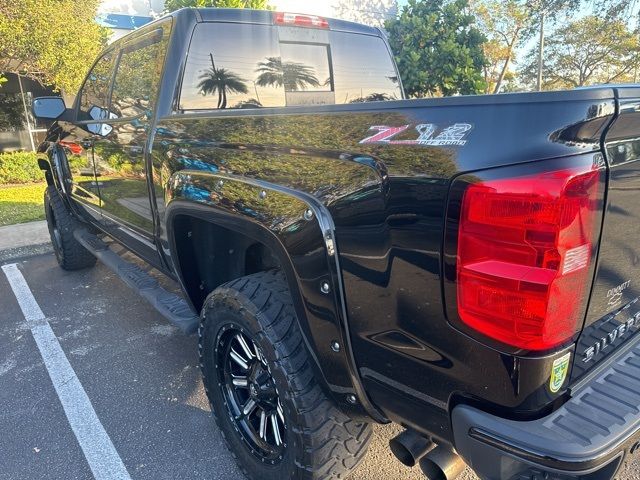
(70, 253)
(275, 418)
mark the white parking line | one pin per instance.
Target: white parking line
(103, 459)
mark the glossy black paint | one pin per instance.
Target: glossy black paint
(616, 289)
(377, 229)
(388, 204)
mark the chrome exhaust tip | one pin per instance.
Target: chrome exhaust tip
(409, 447)
(441, 463)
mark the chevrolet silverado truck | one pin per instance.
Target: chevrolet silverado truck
(466, 267)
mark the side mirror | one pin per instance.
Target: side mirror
(48, 107)
(102, 129)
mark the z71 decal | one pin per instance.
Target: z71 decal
(454, 135)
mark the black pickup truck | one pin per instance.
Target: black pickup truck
(466, 267)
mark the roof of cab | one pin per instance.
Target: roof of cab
(265, 17)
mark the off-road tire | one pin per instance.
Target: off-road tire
(321, 441)
(71, 255)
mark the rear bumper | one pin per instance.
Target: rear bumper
(590, 437)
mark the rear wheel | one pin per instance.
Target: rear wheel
(275, 418)
(71, 255)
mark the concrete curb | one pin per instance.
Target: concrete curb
(24, 240)
(12, 254)
(24, 235)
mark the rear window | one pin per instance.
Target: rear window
(253, 66)
(363, 69)
(222, 68)
(306, 67)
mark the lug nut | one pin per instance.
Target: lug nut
(324, 287)
(351, 399)
(335, 346)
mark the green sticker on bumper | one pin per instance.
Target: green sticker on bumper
(559, 372)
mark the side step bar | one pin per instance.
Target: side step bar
(173, 307)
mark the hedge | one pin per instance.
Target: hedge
(19, 167)
(22, 167)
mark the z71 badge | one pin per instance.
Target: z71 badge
(454, 135)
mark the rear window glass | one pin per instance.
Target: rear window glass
(306, 67)
(252, 66)
(363, 69)
(232, 66)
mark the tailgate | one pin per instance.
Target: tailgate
(613, 316)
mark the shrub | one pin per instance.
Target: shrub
(19, 167)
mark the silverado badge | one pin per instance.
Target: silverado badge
(559, 371)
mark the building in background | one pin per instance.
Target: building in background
(123, 16)
(18, 128)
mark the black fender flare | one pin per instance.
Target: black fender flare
(50, 163)
(305, 248)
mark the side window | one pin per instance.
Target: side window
(95, 90)
(363, 69)
(233, 66)
(137, 76)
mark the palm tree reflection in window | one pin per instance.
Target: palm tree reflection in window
(294, 76)
(221, 81)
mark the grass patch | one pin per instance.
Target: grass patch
(21, 203)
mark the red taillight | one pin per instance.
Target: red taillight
(524, 248)
(300, 20)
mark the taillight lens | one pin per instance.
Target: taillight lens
(524, 251)
(300, 20)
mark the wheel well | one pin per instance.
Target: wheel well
(210, 255)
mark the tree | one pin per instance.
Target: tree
(171, 5)
(221, 81)
(52, 41)
(588, 51)
(294, 76)
(506, 24)
(437, 47)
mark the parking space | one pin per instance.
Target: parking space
(139, 373)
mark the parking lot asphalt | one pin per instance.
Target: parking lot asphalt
(140, 375)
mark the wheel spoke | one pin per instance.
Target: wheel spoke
(276, 429)
(238, 359)
(249, 407)
(245, 347)
(280, 412)
(263, 425)
(240, 381)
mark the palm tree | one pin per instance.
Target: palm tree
(294, 76)
(222, 81)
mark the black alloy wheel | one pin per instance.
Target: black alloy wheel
(250, 394)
